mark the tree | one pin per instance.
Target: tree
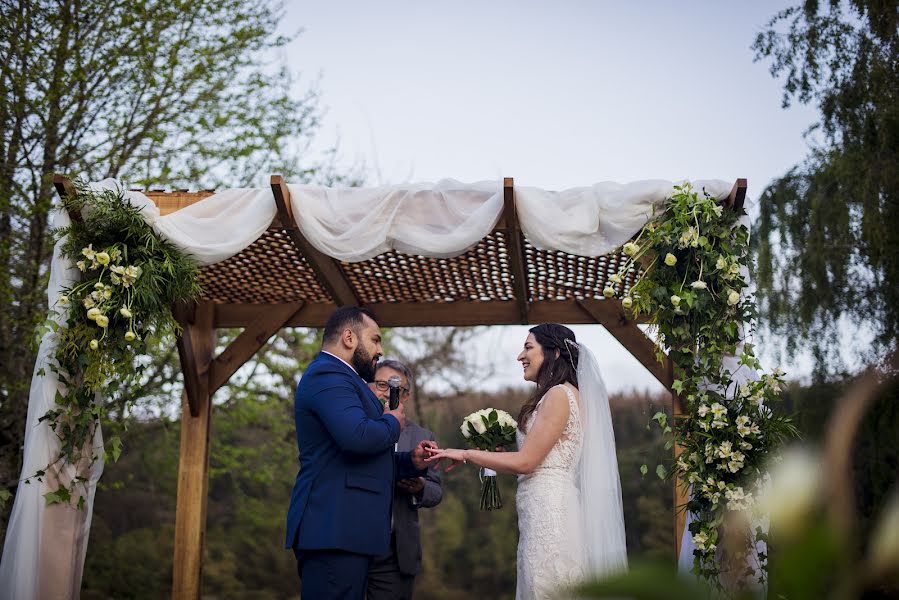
(149, 91)
(827, 245)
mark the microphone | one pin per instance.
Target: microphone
(394, 383)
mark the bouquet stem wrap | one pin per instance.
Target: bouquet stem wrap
(490, 496)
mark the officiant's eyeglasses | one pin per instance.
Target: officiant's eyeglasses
(384, 386)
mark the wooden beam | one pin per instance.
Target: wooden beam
(631, 337)
(251, 339)
(516, 250)
(326, 268)
(190, 368)
(408, 314)
(193, 468)
(66, 189)
(737, 195)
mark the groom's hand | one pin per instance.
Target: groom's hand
(399, 414)
(420, 454)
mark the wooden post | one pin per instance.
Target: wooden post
(517, 258)
(193, 463)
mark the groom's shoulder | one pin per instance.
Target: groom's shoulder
(322, 368)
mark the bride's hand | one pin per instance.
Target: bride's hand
(453, 454)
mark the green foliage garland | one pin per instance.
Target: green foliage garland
(694, 290)
(130, 279)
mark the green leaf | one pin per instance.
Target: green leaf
(661, 471)
(62, 495)
(116, 443)
(644, 470)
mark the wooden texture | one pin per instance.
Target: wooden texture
(65, 188)
(325, 267)
(612, 316)
(254, 337)
(516, 250)
(737, 195)
(193, 466)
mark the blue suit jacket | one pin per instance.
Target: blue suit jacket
(344, 490)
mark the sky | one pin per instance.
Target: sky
(555, 94)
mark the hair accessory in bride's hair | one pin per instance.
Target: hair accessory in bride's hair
(569, 344)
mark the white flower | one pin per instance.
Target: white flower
(102, 321)
(794, 492)
(125, 312)
(478, 424)
(133, 272)
(675, 300)
(718, 410)
(616, 278)
(743, 430)
(94, 344)
(631, 248)
(725, 449)
(88, 252)
(733, 298)
(670, 259)
(117, 269)
(608, 292)
(700, 540)
(690, 237)
(63, 300)
(130, 336)
(627, 302)
(465, 432)
(93, 313)
(82, 266)
(698, 285)
(702, 410)
(107, 293)
(720, 423)
(693, 478)
(721, 263)
(718, 210)
(744, 445)
(102, 258)
(88, 302)
(736, 499)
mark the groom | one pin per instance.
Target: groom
(339, 515)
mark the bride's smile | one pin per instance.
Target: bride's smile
(531, 358)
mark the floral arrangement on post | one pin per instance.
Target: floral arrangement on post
(130, 278)
(489, 429)
(693, 288)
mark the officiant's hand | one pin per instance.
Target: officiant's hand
(412, 486)
(399, 413)
(421, 453)
(453, 454)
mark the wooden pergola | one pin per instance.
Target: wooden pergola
(281, 280)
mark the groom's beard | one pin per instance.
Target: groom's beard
(364, 364)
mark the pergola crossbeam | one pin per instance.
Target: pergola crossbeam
(251, 339)
(611, 315)
(326, 268)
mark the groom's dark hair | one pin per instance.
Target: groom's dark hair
(344, 317)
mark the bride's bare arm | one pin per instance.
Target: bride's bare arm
(544, 433)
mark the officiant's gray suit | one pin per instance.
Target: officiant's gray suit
(393, 575)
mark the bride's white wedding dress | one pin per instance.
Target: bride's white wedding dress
(551, 549)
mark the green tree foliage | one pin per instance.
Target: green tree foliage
(149, 91)
(827, 244)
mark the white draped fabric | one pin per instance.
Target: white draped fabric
(43, 555)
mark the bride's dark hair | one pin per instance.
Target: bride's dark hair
(552, 337)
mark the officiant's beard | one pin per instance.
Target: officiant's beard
(364, 364)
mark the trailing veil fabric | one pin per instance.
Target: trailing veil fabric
(602, 511)
(48, 544)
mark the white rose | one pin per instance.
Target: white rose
(102, 258)
(670, 259)
(675, 300)
(733, 298)
(93, 313)
(465, 433)
(130, 336)
(608, 292)
(478, 424)
(616, 278)
(631, 248)
(94, 344)
(102, 320)
(627, 302)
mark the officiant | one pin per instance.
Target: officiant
(391, 576)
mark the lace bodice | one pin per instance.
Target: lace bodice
(551, 553)
(564, 455)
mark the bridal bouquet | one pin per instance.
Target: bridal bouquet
(488, 429)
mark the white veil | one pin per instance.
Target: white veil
(600, 485)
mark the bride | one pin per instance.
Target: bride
(570, 519)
